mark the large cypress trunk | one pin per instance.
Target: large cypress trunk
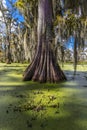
(44, 67)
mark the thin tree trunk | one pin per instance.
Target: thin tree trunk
(75, 56)
(44, 67)
(8, 60)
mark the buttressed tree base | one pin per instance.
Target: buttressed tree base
(44, 67)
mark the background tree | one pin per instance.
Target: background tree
(29, 10)
(73, 23)
(8, 21)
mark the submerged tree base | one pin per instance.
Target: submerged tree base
(44, 68)
(8, 62)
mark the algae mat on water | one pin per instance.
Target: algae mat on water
(35, 106)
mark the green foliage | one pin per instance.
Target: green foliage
(22, 4)
(59, 20)
(72, 22)
(19, 4)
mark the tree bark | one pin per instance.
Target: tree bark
(44, 67)
(8, 58)
(75, 55)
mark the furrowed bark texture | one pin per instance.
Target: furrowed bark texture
(44, 67)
